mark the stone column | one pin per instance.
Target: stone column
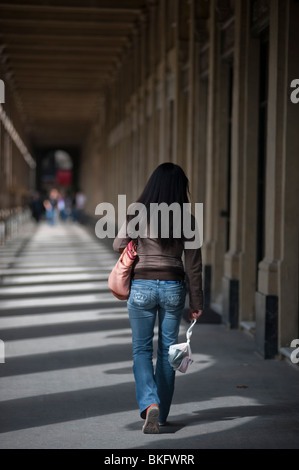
(210, 195)
(199, 153)
(135, 115)
(232, 267)
(162, 80)
(190, 116)
(180, 58)
(142, 115)
(277, 296)
(176, 68)
(289, 272)
(152, 88)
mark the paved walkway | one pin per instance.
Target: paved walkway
(67, 381)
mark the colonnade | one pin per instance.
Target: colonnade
(207, 85)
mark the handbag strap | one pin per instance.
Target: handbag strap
(189, 331)
(132, 249)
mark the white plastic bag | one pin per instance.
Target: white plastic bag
(179, 355)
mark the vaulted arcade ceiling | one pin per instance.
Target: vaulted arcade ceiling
(57, 56)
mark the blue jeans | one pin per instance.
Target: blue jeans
(147, 298)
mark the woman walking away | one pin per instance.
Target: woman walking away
(158, 287)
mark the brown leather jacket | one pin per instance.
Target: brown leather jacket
(154, 262)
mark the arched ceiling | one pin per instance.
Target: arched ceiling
(58, 55)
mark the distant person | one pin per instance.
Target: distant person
(61, 206)
(37, 208)
(68, 206)
(158, 288)
(50, 205)
(79, 205)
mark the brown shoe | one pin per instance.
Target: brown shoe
(151, 425)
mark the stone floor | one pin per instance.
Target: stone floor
(67, 379)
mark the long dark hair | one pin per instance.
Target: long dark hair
(167, 184)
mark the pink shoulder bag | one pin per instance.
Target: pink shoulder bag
(119, 281)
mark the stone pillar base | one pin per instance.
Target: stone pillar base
(230, 302)
(266, 307)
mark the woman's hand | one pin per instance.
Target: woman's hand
(194, 314)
